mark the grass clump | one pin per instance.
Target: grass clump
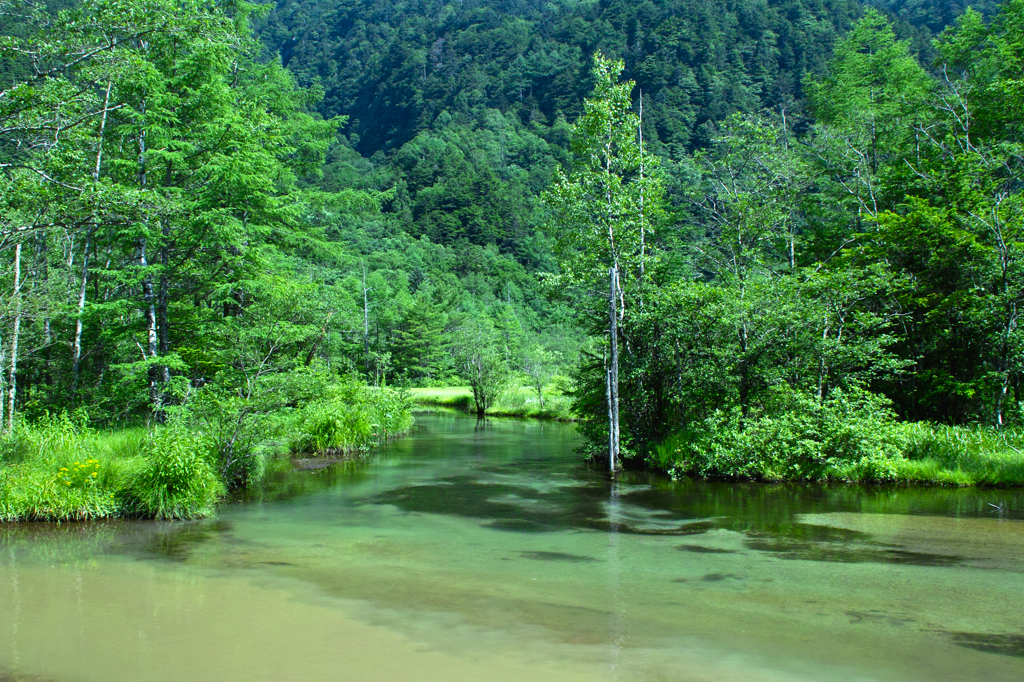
(351, 418)
(174, 479)
(61, 469)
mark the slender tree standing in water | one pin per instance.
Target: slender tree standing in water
(604, 210)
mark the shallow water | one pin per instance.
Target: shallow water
(488, 552)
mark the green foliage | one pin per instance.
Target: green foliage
(397, 68)
(850, 436)
(175, 480)
(60, 470)
(875, 254)
(351, 418)
(604, 210)
(481, 362)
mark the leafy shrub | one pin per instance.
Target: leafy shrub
(351, 417)
(852, 435)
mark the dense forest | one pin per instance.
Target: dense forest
(248, 221)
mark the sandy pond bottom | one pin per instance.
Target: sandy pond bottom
(488, 552)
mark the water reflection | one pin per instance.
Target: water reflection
(486, 550)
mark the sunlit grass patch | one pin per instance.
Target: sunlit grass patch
(967, 455)
(443, 396)
(519, 401)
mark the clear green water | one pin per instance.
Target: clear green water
(488, 552)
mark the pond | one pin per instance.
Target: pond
(488, 551)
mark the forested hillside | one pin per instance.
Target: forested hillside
(464, 108)
(394, 67)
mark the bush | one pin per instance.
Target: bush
(175, 480)
(351, 417)
(852, 435)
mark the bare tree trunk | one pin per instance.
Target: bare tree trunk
(163, 324)
(613, 371)
(148, 299)
(366, 321)
(77, 356)
(12, 375)
(3, 382)
(77, 359)
(149, 311)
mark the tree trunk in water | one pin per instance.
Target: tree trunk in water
(12, 376)
(613, 371)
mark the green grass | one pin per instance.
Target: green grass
(519, 401)
(352, 418)
(963, 455)
(61, 470)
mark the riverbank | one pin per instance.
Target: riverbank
(518, 402)
(62, 469)
(916, 453)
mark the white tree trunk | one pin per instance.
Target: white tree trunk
(613, 372)
(12, 375)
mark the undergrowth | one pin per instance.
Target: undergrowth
(851, 436)
(60, 468)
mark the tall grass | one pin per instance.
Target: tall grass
(60, 469)
(963, 455)
(176, 478)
